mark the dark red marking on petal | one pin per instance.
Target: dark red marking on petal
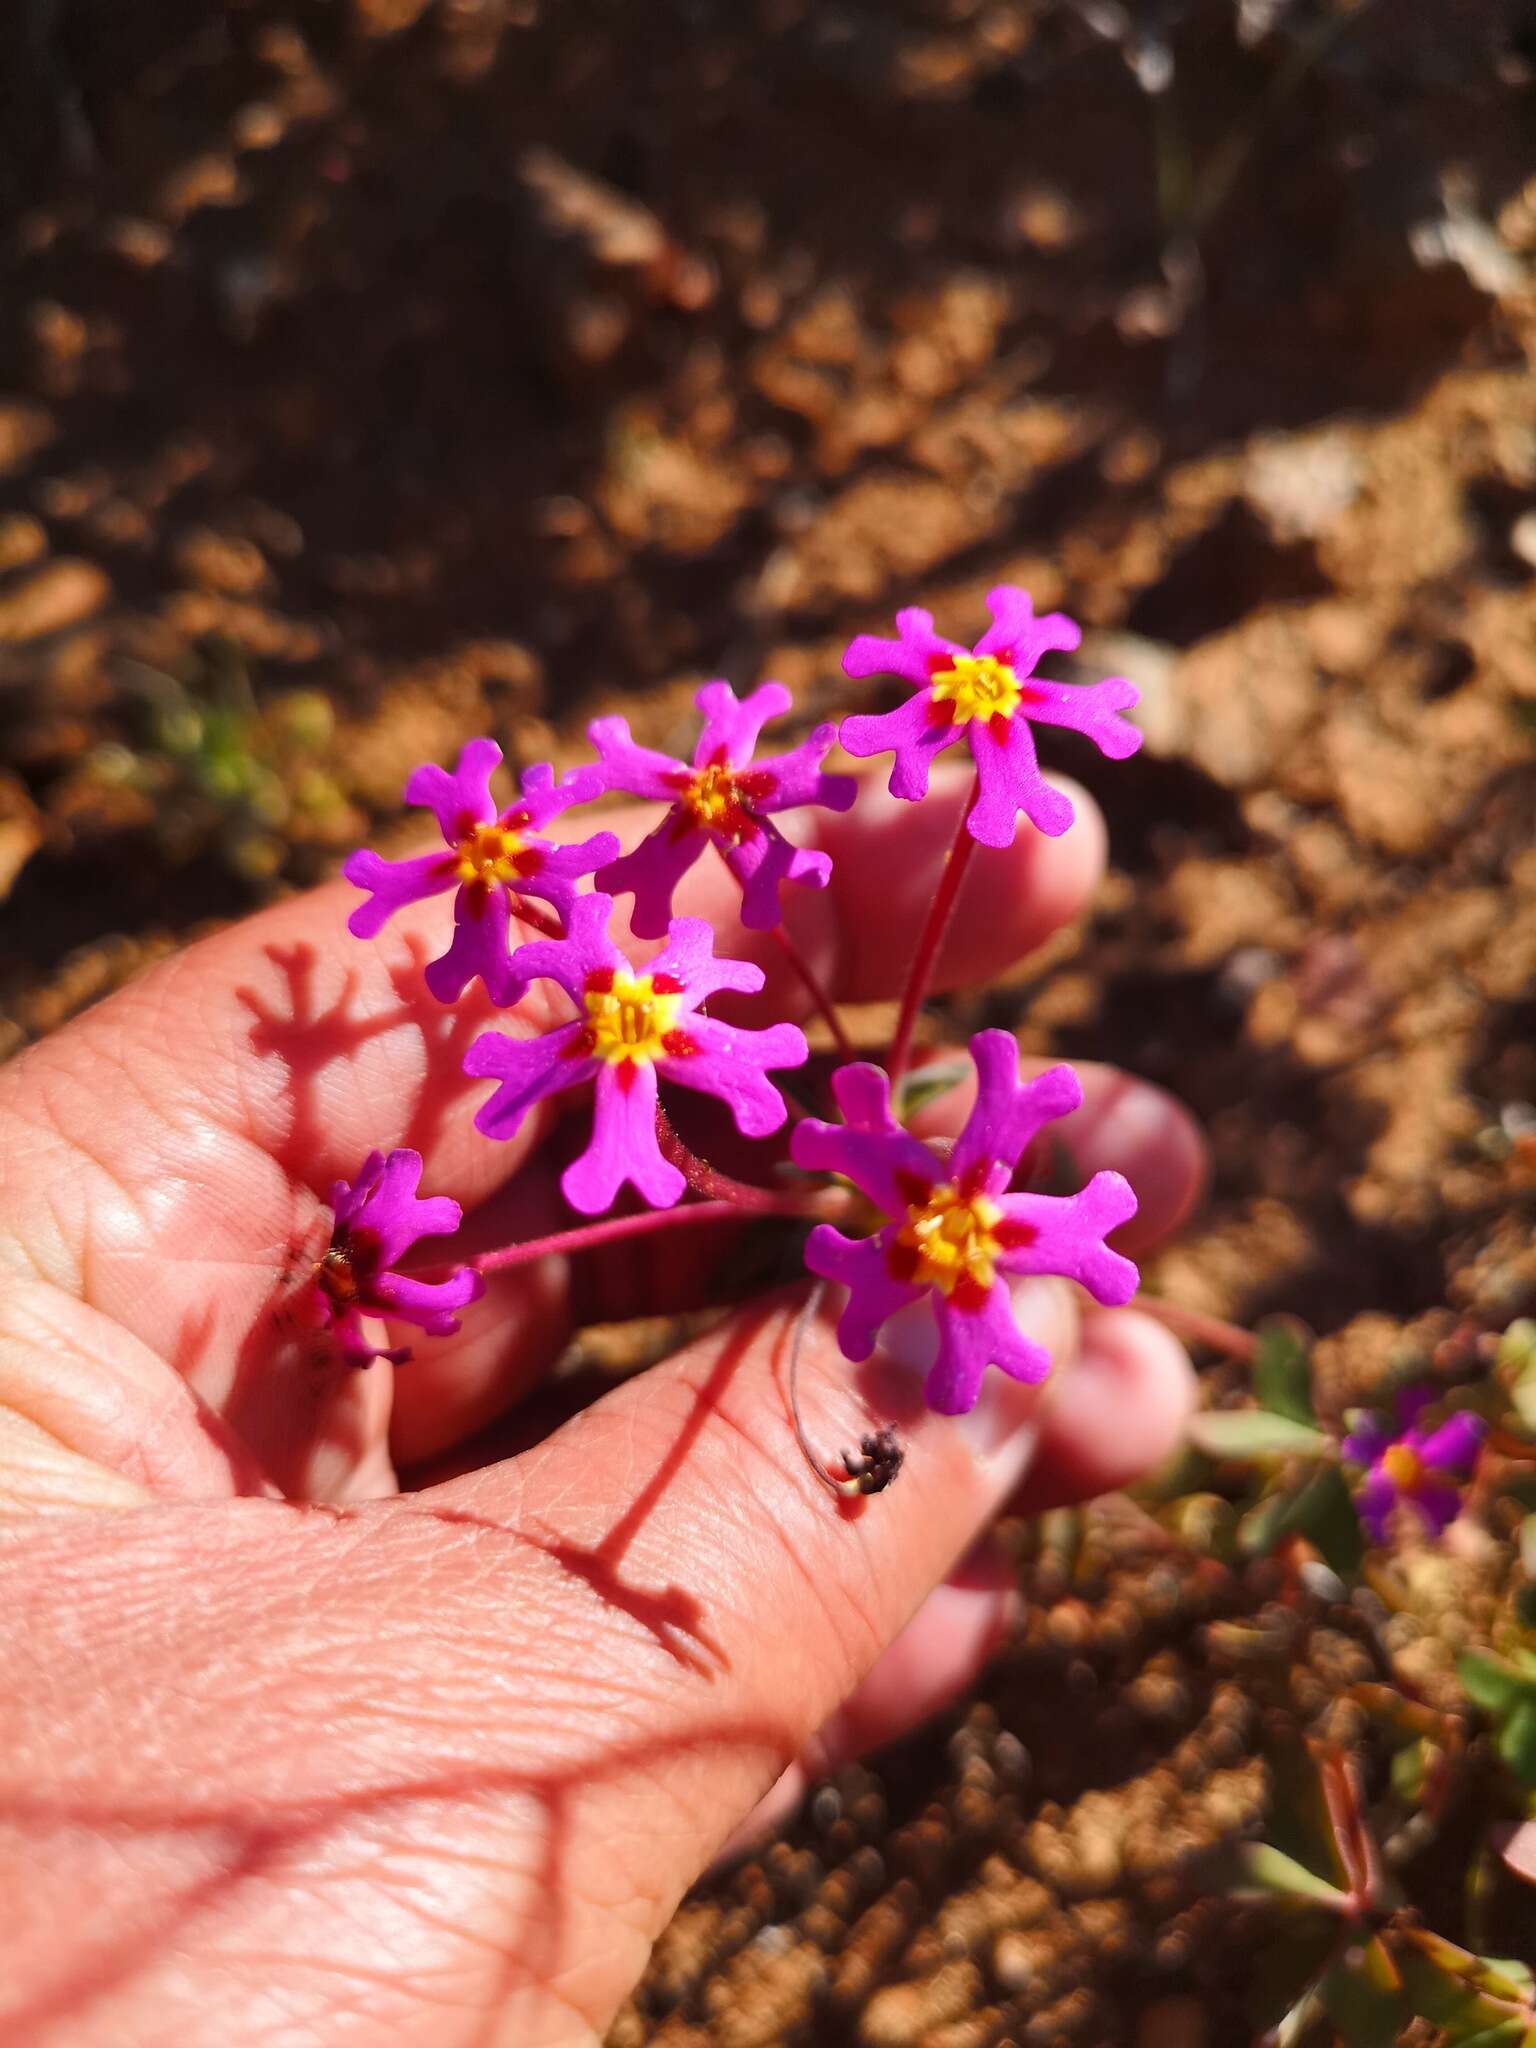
(1014, 1236)
(581, 1045)
(514, 820)
(913, 1188)
(531, 861)
(940, 713)
(969, 1294)
(626, 1073)
(998, 725)
(756, 782)
(678, 1045)
(599, 981)
(901, 1261)
(666, 985)
(678, 778)
(476, 896)
(720, 758)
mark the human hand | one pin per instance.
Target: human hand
(302, 1740)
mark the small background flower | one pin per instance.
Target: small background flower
(493, 857)
(1410, 1466)
(989, 693)
(379, 1216)
(633, 1027)
(724, 797)
(954, 1232)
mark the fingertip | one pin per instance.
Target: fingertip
(1114, 1415)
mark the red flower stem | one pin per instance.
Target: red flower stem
(708, 1180)
(1200, 1329)
(541, 920)
(956, 861)
(617, 1227)
(826, 1009)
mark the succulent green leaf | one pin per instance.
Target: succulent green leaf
(1254, 1433)
(1282, 1372)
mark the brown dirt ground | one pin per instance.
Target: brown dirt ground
(483, 364)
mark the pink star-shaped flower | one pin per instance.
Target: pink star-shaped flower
(725, 797)
(954, 1233)
(1422, 1469)
(991, 694)
(493, 857)
(632, 1027)
(378, 1218)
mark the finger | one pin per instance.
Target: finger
(937, 1657)
(1127, 1367)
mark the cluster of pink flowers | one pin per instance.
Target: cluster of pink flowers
(948, 1224)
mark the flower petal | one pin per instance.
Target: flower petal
(689, 957)
(623, 1146)
(431, 1304)
(626, 765)
(560, 868)
(909, 731)
(971, 1339)
(653, 871)
(729, 1063)
(1009, 1114)
(1017, 637)
(462, 799)
(915, 653)
(797, 777)
(1374, 1504)
(1454, 1446)
(859, 1264)
(586, 949)
(481, 945)
(528, 1069)
(1092, 709)
(392, 884)
(763, 864)
(869, 1147)
(1008, 773)
(1436, 1506)
(1068, 1234)
(732, 723)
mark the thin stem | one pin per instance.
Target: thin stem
(956, 861)
(617, 1227)
(708, 1180)
(542, 920)
(879, 1457)
(826, 1009)
(1201, 1329)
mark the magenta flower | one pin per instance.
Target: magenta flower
(1414, 1467)
(725, 797)
(954, 1231)
(632, 1027)
(493, 857)
(990, 693)
(378, 1219)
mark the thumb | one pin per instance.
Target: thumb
(714, 1603)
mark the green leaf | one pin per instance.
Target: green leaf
(1282, 1372)
(1363, 1996)
(1254, 1433)
(1260, 1867)
(1491, 1684)
(1325, 1515)
(1516, 1742)
(926, 1084)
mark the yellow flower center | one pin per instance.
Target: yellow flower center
(488, 853)
(710, 796)
(1404, 1467)
(631, 1019)
(953, 1238)
(978, 686)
